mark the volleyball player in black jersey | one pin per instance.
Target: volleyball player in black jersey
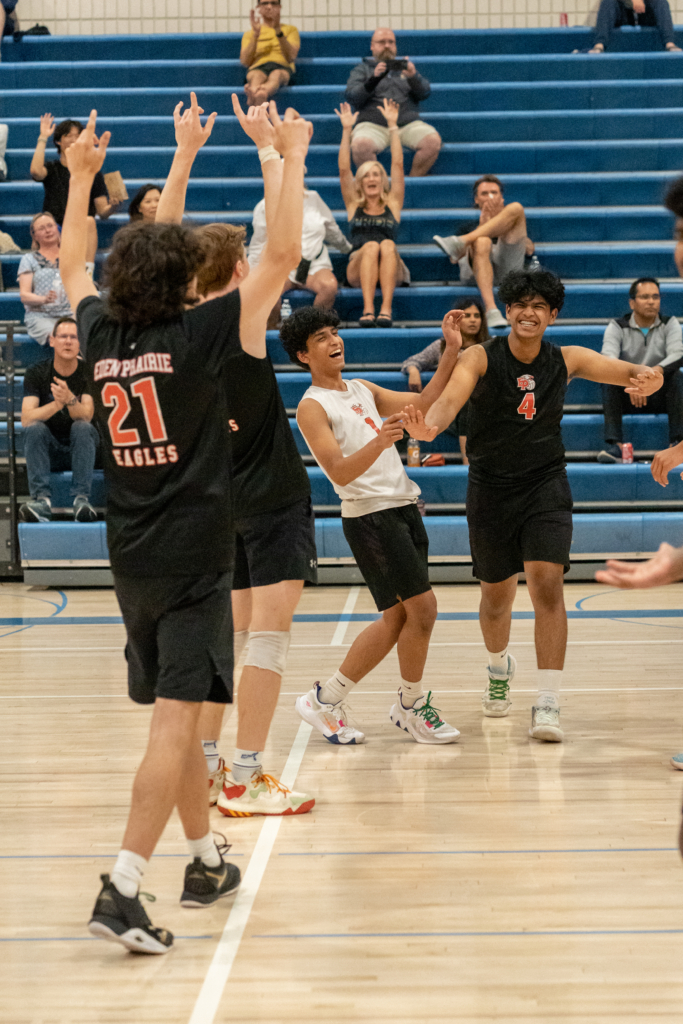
(158, 373)
(519, 505)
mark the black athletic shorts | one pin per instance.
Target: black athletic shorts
(271, 65)
(179, 636)
(276, 546)
(511, 526)
(390, 548)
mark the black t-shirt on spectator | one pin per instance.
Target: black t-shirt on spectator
(37, 383)
(56, 186)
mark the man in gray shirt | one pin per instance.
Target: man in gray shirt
(647, 338)
(381, 76)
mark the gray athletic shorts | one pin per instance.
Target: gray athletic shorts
(504, 259)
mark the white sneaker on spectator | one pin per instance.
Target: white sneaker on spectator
(452, 246)
(494, 318)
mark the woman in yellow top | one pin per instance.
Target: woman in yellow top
(268, 50)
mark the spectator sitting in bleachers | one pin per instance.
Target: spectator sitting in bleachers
(314, 273)
(380, 77)
(268, 50)
(651, 13)
(648, 338)
(143, 205)
(54, 175)
(9, 23)
(55, 413)
(474, 331)
(491, 247)
(40, 286)
(373, 207)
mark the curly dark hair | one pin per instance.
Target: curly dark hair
(523, 284)
(63, 128)
(298, 328)
(148, 272)
(673, 200)
(134, 208)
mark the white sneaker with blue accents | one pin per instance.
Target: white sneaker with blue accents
(329, 719)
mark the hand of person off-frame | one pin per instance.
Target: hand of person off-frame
(255, 123)
(292, 133)
(664, 462)
(347, 117)
(413, 422)
(86, 155)
(450, 328)
(392, 430)
(665, 567)
(390, 109)
(190, 134)
(645, 383)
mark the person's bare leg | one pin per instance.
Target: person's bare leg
(509, 224)
(462, 441)
(388, 266)
(254, 86)
(276, 80)
(362, 150)
(364, 271)
(259, 689)
(3, 17)
(483, 270)
(495, 612)
(545, 581)
(157, 784)
(324, 286)
(193, 807)
(372, 645)
(413, 642)
(212, 716)
(425, 155)
(91, 249)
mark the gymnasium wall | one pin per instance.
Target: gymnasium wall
(97, 17)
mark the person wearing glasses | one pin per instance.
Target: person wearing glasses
(268, 51)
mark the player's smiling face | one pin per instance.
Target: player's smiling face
(530, 316)
(324, 351)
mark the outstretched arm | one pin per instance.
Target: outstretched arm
(343, 469)
(38, 170)
(390, 109)
(665, 567)
(471, 366)
(190, 136)
(84, 159)
(346, 179)
(634, 378)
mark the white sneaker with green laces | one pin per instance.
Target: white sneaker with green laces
(545, 725)
(496, 701)
(423, 722)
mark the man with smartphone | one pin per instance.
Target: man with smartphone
(386, 75)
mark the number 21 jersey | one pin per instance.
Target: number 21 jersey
(159, 397)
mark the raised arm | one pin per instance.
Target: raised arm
(471, 366)
(47, 126)
(84, 159)
(346, 179)
(282, 252)
(390, 110)
(190, 136)
(250, 40)
(343, 469)
(634, 378)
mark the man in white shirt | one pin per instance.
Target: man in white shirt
(341, 421)
(320, 229)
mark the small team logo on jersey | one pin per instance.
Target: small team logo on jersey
(368, 419)
(358, 409)
(526, 382)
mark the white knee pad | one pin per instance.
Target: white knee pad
(268, 650)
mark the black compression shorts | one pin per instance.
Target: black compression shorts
(511, 526)
(276, 546)
(179, 636)
(390, 548)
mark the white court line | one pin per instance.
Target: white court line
(211, 992)
(513, 643)
(343, 625)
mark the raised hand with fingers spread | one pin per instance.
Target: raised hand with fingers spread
(390, 109)
(346, 115)
(413, 422)
(256, 123)
(47, 126)
(190, 134)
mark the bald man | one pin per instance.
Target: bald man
(384, 75)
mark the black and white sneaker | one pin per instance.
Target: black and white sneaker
(121, 919)
(204, 886)
(611, 453)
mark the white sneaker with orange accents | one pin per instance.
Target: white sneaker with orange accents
(262, 794)
(216, 782)
(329, 719)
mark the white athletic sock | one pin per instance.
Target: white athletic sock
(245, 763)
(549, 682)
(211, 755)
(409, 692)
(239, 642)
(205, 849)
(128, 872)
(336, 688)
(498, 664)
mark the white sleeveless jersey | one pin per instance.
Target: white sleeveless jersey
(355, 421)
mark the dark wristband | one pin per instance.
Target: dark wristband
(279, 34)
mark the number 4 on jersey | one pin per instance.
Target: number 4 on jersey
(527, 407)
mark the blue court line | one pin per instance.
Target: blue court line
(467, 935)
(87, 856)
(461, 853)
(83, 938)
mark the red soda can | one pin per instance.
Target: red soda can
(627, 453)
(564, 21)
